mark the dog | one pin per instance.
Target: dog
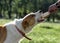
(15, 30)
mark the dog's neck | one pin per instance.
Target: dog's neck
(18, 23)
(20, 26)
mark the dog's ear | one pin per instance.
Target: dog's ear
(28, 21)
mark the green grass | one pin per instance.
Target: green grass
(3, 21)
(42, 33)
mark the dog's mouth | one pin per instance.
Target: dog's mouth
(41, 20)
(43, 16)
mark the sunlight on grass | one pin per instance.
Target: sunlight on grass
(44, 33)
(3, 21)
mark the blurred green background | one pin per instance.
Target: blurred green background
(10, 9)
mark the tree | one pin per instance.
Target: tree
(10, 9)
(0, 8)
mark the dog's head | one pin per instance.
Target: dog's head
(33, 18)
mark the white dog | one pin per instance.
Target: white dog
(14, 31)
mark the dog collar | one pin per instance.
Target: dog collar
(22, 33)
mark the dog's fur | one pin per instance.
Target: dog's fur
(25, 24)
(3, 34)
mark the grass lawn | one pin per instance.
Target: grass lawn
(42, 33)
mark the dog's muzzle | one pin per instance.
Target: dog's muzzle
(44, 16)
(41, 20)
